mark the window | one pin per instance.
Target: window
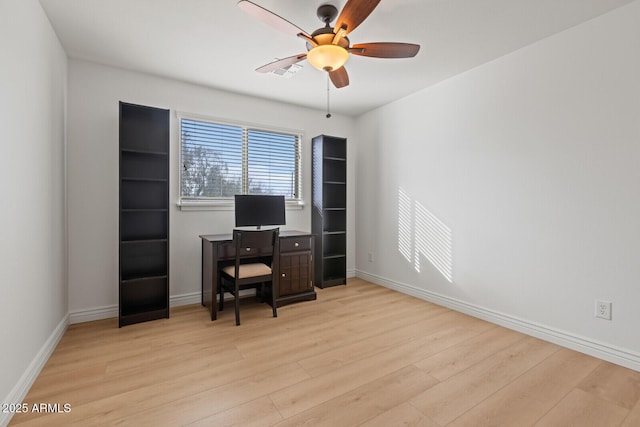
(219, 160)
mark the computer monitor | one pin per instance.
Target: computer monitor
(254, 210)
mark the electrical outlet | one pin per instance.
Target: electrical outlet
(603, 309)
(370, 257)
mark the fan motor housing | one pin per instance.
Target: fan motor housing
(325, 35)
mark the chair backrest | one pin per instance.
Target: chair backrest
(246, 241)
(255, 239)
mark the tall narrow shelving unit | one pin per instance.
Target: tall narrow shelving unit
(329, 217)
(144, 214)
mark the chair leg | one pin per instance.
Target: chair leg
(259, 293)
(221, 296)
(237, 298)
(273, 300)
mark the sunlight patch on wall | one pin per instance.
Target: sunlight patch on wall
(405, 225)
(421, 235)
(433, 241)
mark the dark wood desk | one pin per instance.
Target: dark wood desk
(296, 267)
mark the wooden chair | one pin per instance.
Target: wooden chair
(234, 278)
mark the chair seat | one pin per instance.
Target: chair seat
(248, 270)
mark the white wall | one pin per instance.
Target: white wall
(94, 92)
(532, 162)
(33, 297)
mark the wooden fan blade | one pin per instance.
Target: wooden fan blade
(386, 50)
(353, 13)
(281, 63)
(270, 18)
(339, 77)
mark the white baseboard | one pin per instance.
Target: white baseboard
(185, 299)
(91, 314)
(106, 312)
(610, 353)
(19, 392)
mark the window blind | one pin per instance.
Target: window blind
(272, 163)
(220, 160)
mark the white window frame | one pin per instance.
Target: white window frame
(188, 203)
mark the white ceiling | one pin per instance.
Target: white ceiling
(213, 43)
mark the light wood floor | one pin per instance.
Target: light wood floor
(359, 355)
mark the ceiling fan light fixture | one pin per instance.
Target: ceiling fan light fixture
(329, 48)
(328, 57)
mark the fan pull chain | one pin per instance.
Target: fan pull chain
(328, 104)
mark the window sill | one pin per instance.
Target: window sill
(226, 205)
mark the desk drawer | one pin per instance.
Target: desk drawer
(228, 251)
(294, 244)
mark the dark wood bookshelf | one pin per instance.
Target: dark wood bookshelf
(329, 216)
(144, 214)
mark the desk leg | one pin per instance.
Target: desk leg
(203, 273)
(214, 281)
(209, 287)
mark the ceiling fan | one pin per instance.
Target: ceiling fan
(328, 48)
